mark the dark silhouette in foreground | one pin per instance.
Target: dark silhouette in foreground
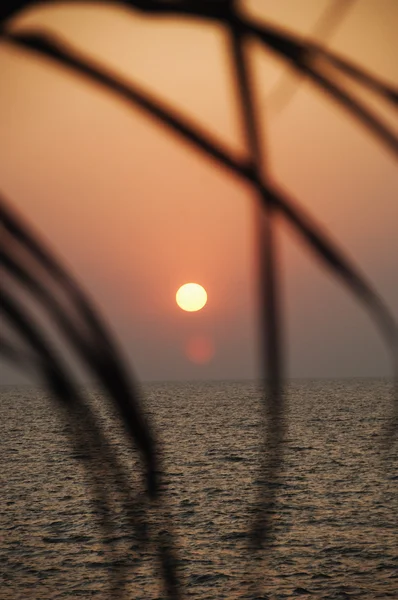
(28, 262)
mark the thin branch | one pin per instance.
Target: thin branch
(285, 89)
(270, 317)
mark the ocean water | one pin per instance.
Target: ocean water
(335, 521)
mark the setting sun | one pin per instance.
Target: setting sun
(191, 297)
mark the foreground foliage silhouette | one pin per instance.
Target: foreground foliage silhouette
(25, 258)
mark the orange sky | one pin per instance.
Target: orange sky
(135, 213)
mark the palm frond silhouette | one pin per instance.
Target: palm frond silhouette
(24, 257)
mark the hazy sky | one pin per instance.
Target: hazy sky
(135, 213)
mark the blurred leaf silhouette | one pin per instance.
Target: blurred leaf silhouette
(33, 266)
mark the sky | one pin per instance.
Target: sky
(135, 213)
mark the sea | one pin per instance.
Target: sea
(76, 523)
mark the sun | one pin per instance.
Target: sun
(191, 297)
